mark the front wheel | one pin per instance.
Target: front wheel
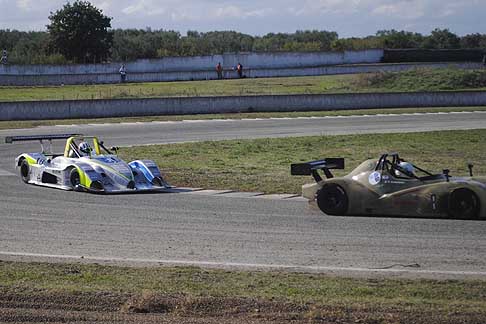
(75, 179)
(332, 199)
(157, 181)
(464, 204)
(25, 171)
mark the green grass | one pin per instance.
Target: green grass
(460, 296)
(294, 85)
(264, 164)
(34, 123)
(424, 80)
(415, 80)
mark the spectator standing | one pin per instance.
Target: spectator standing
(219, 70)
(123, 73)
(239, 69)
(4, 59)
(484, 61)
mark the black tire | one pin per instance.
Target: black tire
(464, 204)
(157, 182)
(332, 200)
(75, 179)
(25, 171)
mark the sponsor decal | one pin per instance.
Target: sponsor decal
(107, 160)
(374, 178)
(433, 199)
(394, 182)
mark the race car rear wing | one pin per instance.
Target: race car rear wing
(11, 139)
(41, 139)
(312, 167)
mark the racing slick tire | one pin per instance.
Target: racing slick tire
(75, 179)
(332, 200)
(25, 171)
(464, 204)
(157, 181)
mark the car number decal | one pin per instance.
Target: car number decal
(374, 178)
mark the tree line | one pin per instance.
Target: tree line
(80, 33)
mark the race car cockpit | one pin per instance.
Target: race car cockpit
(402, 169)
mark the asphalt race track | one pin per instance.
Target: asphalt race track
(190, 130)
(231, 230)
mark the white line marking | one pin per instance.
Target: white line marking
(274, 118)
(221, 120)
(163, 122)
(127, 124)
(243, 265)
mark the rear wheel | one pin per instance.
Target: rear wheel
(75, 179)
(463, 203)
(332, 199)
(25, 171)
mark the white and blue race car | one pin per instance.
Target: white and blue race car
(85, 165)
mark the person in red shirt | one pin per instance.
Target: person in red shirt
(219, 70)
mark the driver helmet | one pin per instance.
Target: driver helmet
(407, 167)
(84, 149)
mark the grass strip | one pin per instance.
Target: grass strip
(35, 123)
(440, 300)
(264, 164)
(421, 79)
(235, 87)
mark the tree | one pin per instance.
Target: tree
(399, 39)
(301, 40)
(472, 40)
(80, 32)
(442, 39)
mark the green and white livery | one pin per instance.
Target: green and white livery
(85, 165)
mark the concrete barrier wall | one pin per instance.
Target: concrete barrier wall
(207, 105)
(202, 63)
(178, 68)
(107, 78)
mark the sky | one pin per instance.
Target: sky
(258, 17)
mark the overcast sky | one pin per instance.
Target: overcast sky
(258, 17)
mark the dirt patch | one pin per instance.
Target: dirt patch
(35, 306)
(222, 307)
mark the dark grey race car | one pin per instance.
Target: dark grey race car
(390, 186)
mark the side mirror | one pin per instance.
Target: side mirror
(115, 149)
